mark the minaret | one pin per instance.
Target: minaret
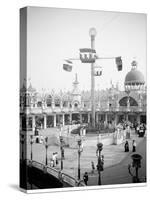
(76, 92)
(75, 86)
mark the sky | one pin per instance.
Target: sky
(55, 34)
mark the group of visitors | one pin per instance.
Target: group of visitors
(140, 129)
(54, 160)
(126, 146)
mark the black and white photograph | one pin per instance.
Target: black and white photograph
(83, 98)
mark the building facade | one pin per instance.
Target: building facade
(112, 105)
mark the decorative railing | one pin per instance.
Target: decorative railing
(39, 110)
(63, 177)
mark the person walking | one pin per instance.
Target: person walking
(93, 167)
(126, 146)
(85, 178)
(133, 146)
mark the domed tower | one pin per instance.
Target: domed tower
(134, 79)
(135, 83)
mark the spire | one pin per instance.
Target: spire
(76, 79)
(134, 64)
(75, 85)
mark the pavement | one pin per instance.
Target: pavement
(118, 174)
(115, 159)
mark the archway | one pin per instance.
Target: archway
(124, 100)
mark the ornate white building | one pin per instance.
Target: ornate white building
(112, 105)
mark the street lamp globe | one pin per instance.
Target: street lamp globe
(92, 32)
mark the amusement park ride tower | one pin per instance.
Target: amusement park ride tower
(88, 55)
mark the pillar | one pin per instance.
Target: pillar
(116, 119)
(63, 119)
(88, 117)
(138, 118)
(55, 120)
(33, 123)
(106, 118)
(127, 117)
(70, 118)
(80, 118)
(97, 118)
(53, 104)
(61, 105)
(45, 122)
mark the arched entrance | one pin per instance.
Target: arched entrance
(124, 100)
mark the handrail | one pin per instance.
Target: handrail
(63, 177)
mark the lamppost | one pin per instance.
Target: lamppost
(79, 154)
(31, 143)
(100, 161)
(46, 148)
(136, 163)
(61, 150)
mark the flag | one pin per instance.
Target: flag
(67, 67)
(119, 63)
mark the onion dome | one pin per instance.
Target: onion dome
(134, 79)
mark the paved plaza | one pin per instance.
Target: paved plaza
(115, 159)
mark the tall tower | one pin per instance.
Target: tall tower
(76, 94)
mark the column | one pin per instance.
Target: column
(63, 119)
(106, 118)
(88, 117)
(117, 106)
(138, 118)
(80, 118)
(126, 117)
(61, 105)
(53, 104)
(116, 119)
(54, 120)
(33, 123)
(45, 122)
(97, 118)
(70, 117)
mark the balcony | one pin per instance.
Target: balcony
(47, 110)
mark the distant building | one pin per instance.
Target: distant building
(112, 105)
